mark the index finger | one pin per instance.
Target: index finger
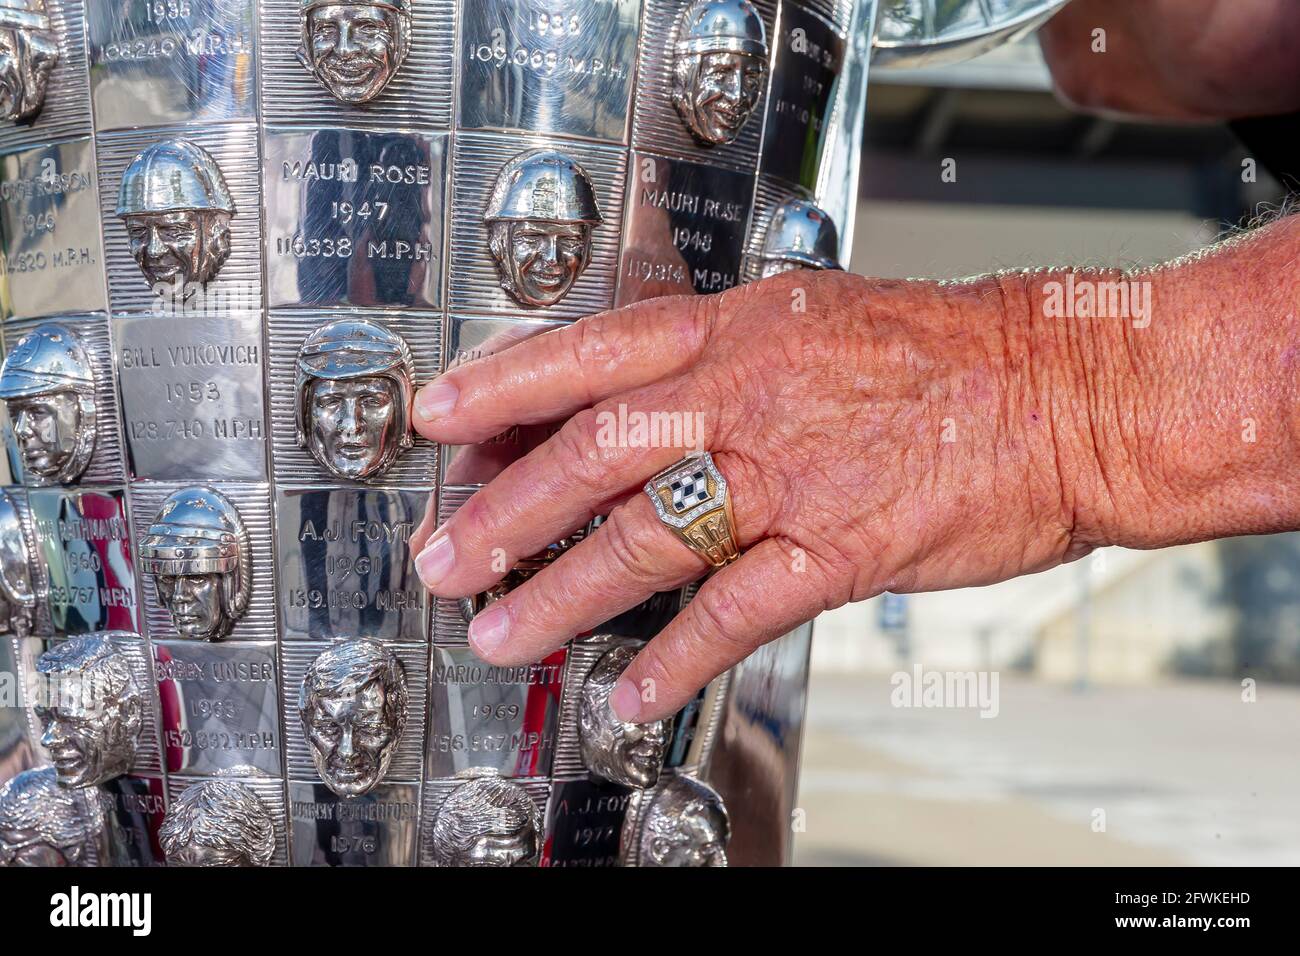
(554, 374)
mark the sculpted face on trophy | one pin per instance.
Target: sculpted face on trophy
(29, 50)
(177, 211)
(719, 68)
(198, 553)
(17, 597)
(352, 704)
(92, 710)
(354, 384)
(800, 236)
(540, 218)
(217, 823)
(686, 825)
(355, 48)
(521, 572)
(614, 750)
(44, 824)
(487, 821)
(48, 386)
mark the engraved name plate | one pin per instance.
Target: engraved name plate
(686, 228)
(548, 67)
(192, 397)
(484, 715)
(345, 564)
(84, 541)
(49, 219)
(133, 808)
(354, 217)
(377, 829)
(218, 707)
(584, 823)
(808, 59)
(154, 62)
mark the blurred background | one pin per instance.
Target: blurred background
(1148, 703)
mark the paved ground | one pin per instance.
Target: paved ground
(1185, 773)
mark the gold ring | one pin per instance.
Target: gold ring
(691, 499)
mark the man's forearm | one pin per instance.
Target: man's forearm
(1175, 394)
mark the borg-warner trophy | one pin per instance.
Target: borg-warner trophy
(236, 236)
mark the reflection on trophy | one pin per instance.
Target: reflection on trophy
(800, 236)
(685, 825)
(354, 385)
(354, 49)
(719, 68)
(29, 50)
(177, 212)
(516, 576)
(539, 218)
(91, 708)
(487, 821)
(17, 598)
(352, 704)
(217, 823)
(48, 386)
(44, 824)
(197, 551)
(612, 749)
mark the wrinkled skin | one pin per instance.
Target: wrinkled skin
(890, 436)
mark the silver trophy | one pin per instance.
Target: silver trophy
(237, 236)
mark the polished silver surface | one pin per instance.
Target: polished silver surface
(29, 50)
(615, 750)
(191, 393)
(157, 62)
(719, 68)
(682, 823)
(912, 33)
(799, 236)
(540, 216)
(686, 228)
(49, 227)
(355, 48)
(177, 209)
(217, 823)
(354, 386)
(48, 387)
(353, 708)
(551, 67)
(487, 821)
(43, 823)
(17, 596)
(83, 551)
(346, 566)
(219, 715)
(485, 716)
(91, 707)
(198, 553)
(354, 217)
(264, 223)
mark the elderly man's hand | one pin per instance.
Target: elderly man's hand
(875, 436)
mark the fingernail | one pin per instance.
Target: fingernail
(436, 400)
(435, 561)
(489, 629)
(625, 700)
